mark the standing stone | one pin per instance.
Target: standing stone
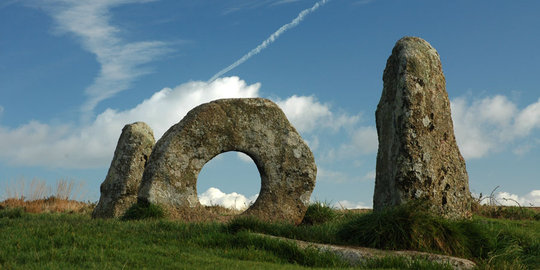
(254, 126)
(120, 188)
(418, 156)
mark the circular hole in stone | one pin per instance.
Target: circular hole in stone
(230, 180)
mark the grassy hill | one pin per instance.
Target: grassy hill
(71, 239)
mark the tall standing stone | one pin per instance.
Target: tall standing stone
(121, 186)
(418, 156)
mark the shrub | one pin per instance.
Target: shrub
(144, 210)
(318, 213)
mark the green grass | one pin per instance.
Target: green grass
(508, 212)
(491, 243)
(11, 213)
(406, 227)
(38, 241)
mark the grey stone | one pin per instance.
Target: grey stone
(418, 157)
(359, 255)
(254, 126)
(120, 188)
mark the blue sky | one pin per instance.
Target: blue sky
(73, 73)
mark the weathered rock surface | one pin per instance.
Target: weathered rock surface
(120, 188)
(358, 255)
(418, 155)
(254, 126)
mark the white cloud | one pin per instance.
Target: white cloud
(370, 176)
(92, 145)
(68, 146)
(528, 119)
(1, 111)
(325, 175)
(490, 124)
(214, 196)
(333, 176)
(121, 61)
(344, 204)
(363, 141)
(307, 114)
(313, 143)
(504, 198)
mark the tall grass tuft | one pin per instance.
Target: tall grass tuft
(409, 226)
(36, 196)
(26, 190)
(64, 189)
(37, 189)
(319, 213)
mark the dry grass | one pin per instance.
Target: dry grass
(36, 196)
(48, 205)
(214, 213)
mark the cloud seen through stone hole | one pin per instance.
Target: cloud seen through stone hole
(213, 196)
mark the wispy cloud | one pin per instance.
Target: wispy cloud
(281, 2)
(362, 2)
(121, 61)
(7, 3)
(250, 4)
(270, 39)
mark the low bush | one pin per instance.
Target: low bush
(144, 210)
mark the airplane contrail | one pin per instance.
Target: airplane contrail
(270, 39)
